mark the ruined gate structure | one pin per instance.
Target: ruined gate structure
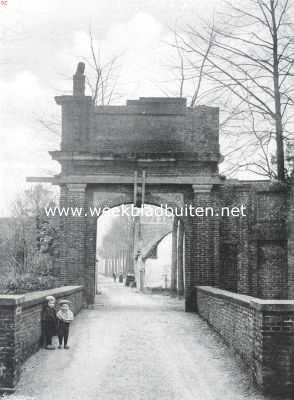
(101, 149)
(177, 149)
(238, 270)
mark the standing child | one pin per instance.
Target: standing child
(64, 316)
(49, 322)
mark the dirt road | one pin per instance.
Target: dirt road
(139, 347)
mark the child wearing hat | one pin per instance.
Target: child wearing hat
(65, 317)
(49, 322)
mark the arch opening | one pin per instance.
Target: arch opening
(141, 248)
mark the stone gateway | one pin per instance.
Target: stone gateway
(158, 151)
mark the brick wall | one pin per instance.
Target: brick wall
(246, 255)
(260, 332)
(146, 125)
(20, 328)
(72, 260)
(201, 244)
(178, 148)
(253, 249)
(290, 244)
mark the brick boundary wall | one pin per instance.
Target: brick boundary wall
(20, 328)
(260, 332)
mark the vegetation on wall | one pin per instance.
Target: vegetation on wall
(29, 244)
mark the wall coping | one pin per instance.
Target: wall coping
(249, 301)
(37, 297)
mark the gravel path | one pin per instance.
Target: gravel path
(138, 347)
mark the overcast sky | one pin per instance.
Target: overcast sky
(42, 41)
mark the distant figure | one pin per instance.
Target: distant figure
(65, 317)
(114, 277)
(121, 278)
(49, 323)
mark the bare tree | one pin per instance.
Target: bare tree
(104, 74)
(189, 77)
(251, 60)
(119, 237)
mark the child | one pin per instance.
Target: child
(65, 316)
(49, 322)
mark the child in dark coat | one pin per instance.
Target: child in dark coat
(49, 322)
(65, 317)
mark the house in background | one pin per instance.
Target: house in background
(157, 260)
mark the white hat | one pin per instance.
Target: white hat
(50, 298)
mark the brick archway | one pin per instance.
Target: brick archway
(78, 249)
(176, 148)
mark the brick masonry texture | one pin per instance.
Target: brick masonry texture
(20, 328)
(259, 331)
(247, 255)
(169, 140)
(253, 249)
(178, 148)
(146, 125)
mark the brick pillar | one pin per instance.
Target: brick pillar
(180, 257)
(73, 235)
(173, 284)
(247, 248)
(10, 354)
(291, 245)
(204, 246)
(189, 267)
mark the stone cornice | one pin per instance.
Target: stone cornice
(29, 299)
(135, 157)
(249, 301)
(197, 180)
